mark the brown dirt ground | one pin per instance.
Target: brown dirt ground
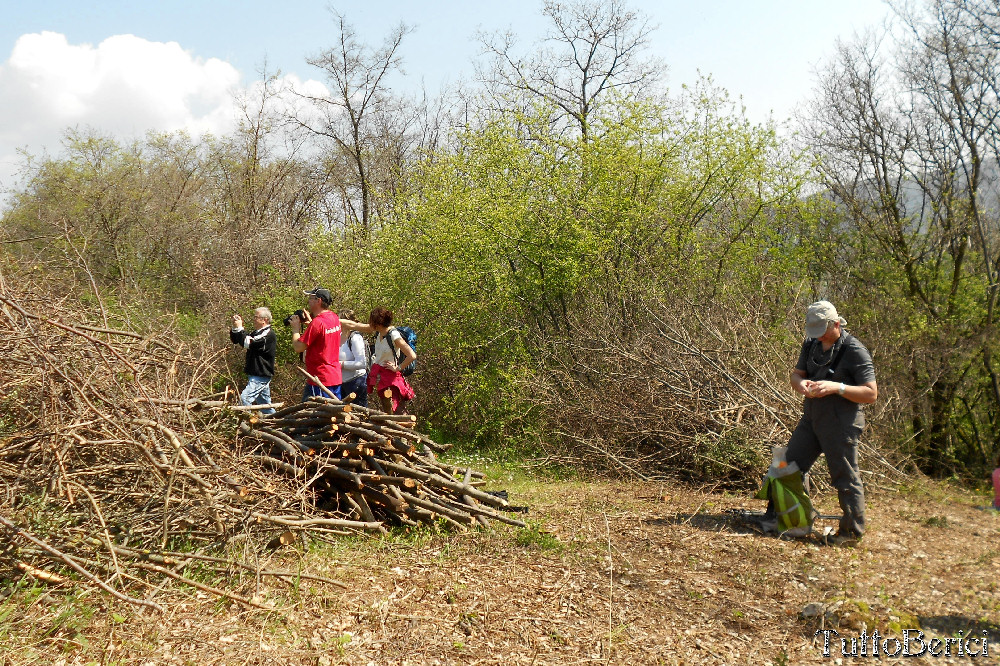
(610, 572)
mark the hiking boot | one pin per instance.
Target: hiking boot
(844, 539)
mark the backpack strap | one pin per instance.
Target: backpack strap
(397, 355)
(350, 337)
(364, 348)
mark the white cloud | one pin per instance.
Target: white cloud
(124, 86)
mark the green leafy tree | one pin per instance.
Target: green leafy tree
(520, 241)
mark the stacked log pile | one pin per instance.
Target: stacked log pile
(373, 466)
(108, 461)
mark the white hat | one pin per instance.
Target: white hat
(818, 318)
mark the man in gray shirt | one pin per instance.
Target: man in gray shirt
(835, 374)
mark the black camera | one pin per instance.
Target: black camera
(300, 313)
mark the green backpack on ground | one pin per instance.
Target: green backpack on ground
(794, 512)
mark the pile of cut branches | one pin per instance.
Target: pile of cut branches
(111, 466)
(365, 462)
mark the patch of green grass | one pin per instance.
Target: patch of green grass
(506, 465)
(494, 468)
(900, 621)
(534, 536)
(340, 644)
(618, 633)
(510, 451)
(936, 521)
(20, 595)
(43, 516)
(400, 539)
(8, 425)
(943, 491)
(182, 542)
(556, 637)
(551, 471)
(191, 324)
(410, 536)
(73, 616)
(985, 558)
(202, 572)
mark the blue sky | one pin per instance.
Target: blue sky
(187, 56)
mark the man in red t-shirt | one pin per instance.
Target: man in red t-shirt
(320, 341)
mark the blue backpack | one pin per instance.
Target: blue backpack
(411, 339)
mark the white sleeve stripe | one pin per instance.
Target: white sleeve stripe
(255, 337)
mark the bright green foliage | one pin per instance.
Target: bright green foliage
(509, 241)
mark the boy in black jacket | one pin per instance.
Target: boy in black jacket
(261, 346)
